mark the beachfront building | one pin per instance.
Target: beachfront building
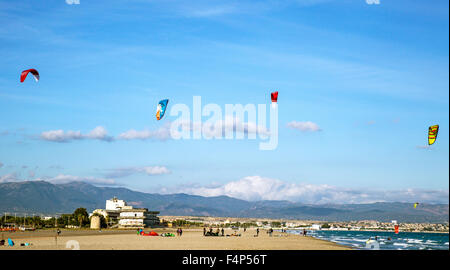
(113, 208)
(125, 216)
(115, 204)
(137, 217)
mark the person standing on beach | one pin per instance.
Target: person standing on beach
(204, 231)
(181, 231)
(223, 232)
(257, 231)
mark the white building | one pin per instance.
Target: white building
(137, 217)
(114, 204)
(126, 215)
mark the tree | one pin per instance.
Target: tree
(275, 224)
(81, 215)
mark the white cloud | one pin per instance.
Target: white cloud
(60, 135)
(230, 125)
(148, 170)
(98, 133)
(304, 126)
(255, 188)
(64, 179)
(371, 2)
(12, 177)
(60, 179)
(217, 129)
(154, 170)
(162, 133)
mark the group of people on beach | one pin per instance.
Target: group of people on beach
(211, 233)
(179, 231)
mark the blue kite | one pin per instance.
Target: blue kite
(161, 109)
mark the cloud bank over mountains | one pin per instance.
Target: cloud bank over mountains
(256, 188)
(148, 170)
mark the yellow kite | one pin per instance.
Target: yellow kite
(432, 134)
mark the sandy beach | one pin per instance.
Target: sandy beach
(192, 239)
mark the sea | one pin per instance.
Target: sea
(384, 241)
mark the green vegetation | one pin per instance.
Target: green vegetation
(275, 224)
(79, 218)
(185, 223)
(81, 215)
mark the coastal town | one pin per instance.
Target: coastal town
(119, 215)
(363, 225)
(122, 226)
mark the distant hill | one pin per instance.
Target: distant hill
(46, 198)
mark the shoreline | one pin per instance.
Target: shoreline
(369, 231)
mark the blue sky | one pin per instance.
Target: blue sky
(372, 77)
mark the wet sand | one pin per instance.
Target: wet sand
(192, 239)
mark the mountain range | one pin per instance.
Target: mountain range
(41, 197)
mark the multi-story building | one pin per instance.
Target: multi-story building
(137, 217)
(117, 211)
(115, 204)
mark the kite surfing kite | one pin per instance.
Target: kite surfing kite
(152, 233)
(274, 97)
(416, 204)
(24, 74)
(432, 134)
(161, 109)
